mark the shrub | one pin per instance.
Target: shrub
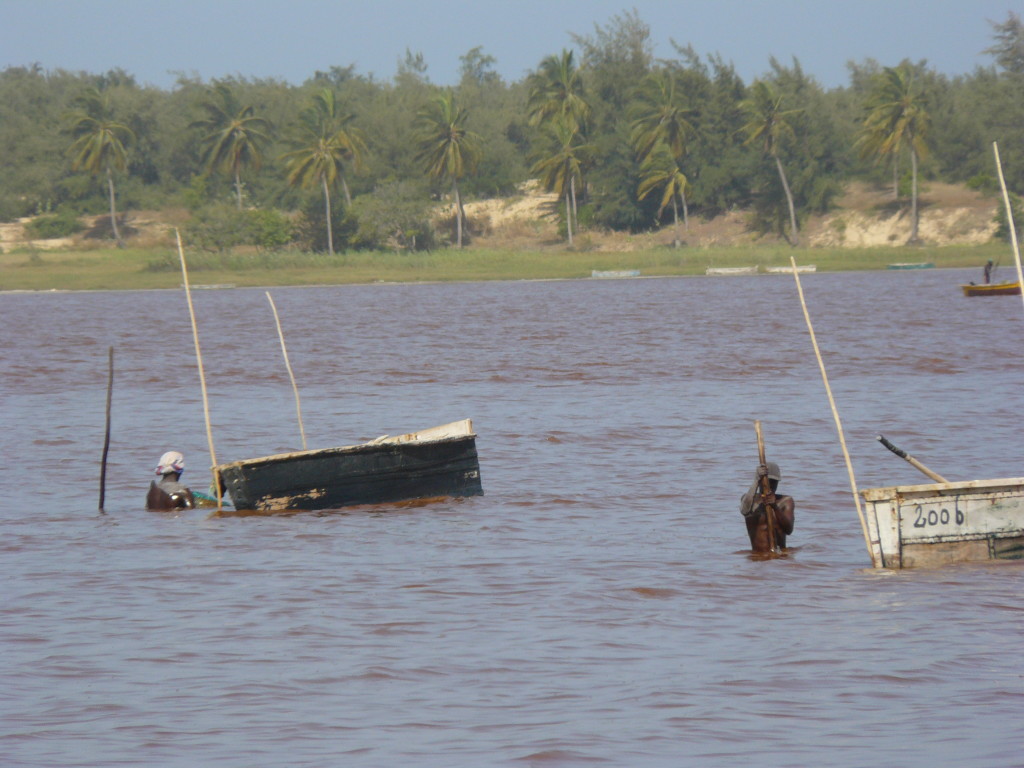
(222, 226)
(62, 224)
(270, 229)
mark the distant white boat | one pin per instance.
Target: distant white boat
(801, 268)
(614, 273)
(731, 271)
(911, 265)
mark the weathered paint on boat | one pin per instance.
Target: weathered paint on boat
(927, 525)
(992, 289)
(437, 462)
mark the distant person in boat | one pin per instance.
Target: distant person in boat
(753, 508)
(988, 271)
(168, 492)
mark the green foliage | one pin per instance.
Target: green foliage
(270, 229)
(607, 82)
(222, 226)
(62, 224)
(395, 215)
(311, 226)
(1003, 229)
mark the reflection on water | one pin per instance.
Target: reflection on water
(597, 606)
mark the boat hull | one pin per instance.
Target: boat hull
(928, 525)
(992, 289)
(730, 271)
(433, 463)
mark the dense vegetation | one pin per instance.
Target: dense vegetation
(344, 161)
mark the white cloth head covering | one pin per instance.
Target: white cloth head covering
(172, 461)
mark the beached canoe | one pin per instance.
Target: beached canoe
(941, 523)
(911, 265)
(992, 289)
(437, 462)
(800, 268)
(727, 271)
(612, 274)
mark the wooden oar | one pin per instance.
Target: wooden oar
(767, 494)
(913, 462)
(106, 438)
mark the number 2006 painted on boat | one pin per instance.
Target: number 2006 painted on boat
(934, 517)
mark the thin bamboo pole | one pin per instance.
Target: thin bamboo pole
(835, 414)
(288, 365)
(1009, 219)
(106, 433)
(199, 361)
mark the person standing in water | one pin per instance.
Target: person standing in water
(753, 508)
(168, 492)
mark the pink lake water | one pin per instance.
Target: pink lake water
(597, 606)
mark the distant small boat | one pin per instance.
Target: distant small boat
(911, 265)
(437, 462)
(992, 289)
(614, 273)
(941, 523)
(801, 268)
(731, 271)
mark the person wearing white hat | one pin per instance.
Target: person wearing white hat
(167, 492)
(752, 507)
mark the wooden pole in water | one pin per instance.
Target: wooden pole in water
(288, 365)
(199, 361)
(766, 491)
(106, 437)
(1009, 220)
(835, 415)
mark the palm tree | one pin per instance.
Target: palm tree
(661, 127)
(897, 119)
(556, 90)
(325, 144)
(234, 137)
(660, 170)
(446, 149)
(767, 125)
(100, 144)
(661, 117)
(563, 166)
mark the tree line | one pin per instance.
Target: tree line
(627, 141)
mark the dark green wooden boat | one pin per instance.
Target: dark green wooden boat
(437, 462)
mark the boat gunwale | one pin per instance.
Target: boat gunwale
(377, 443)
(941, 489)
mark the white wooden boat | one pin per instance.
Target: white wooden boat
(911, 265)
(725, 271)
(940, 523)
(801, 268)
(614, 273)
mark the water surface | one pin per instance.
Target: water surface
(597, 606)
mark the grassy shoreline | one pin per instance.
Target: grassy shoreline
(151, 268)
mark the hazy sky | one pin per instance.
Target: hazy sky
(155, 40)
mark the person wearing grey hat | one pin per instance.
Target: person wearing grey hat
(169, 493)
(752, 506)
